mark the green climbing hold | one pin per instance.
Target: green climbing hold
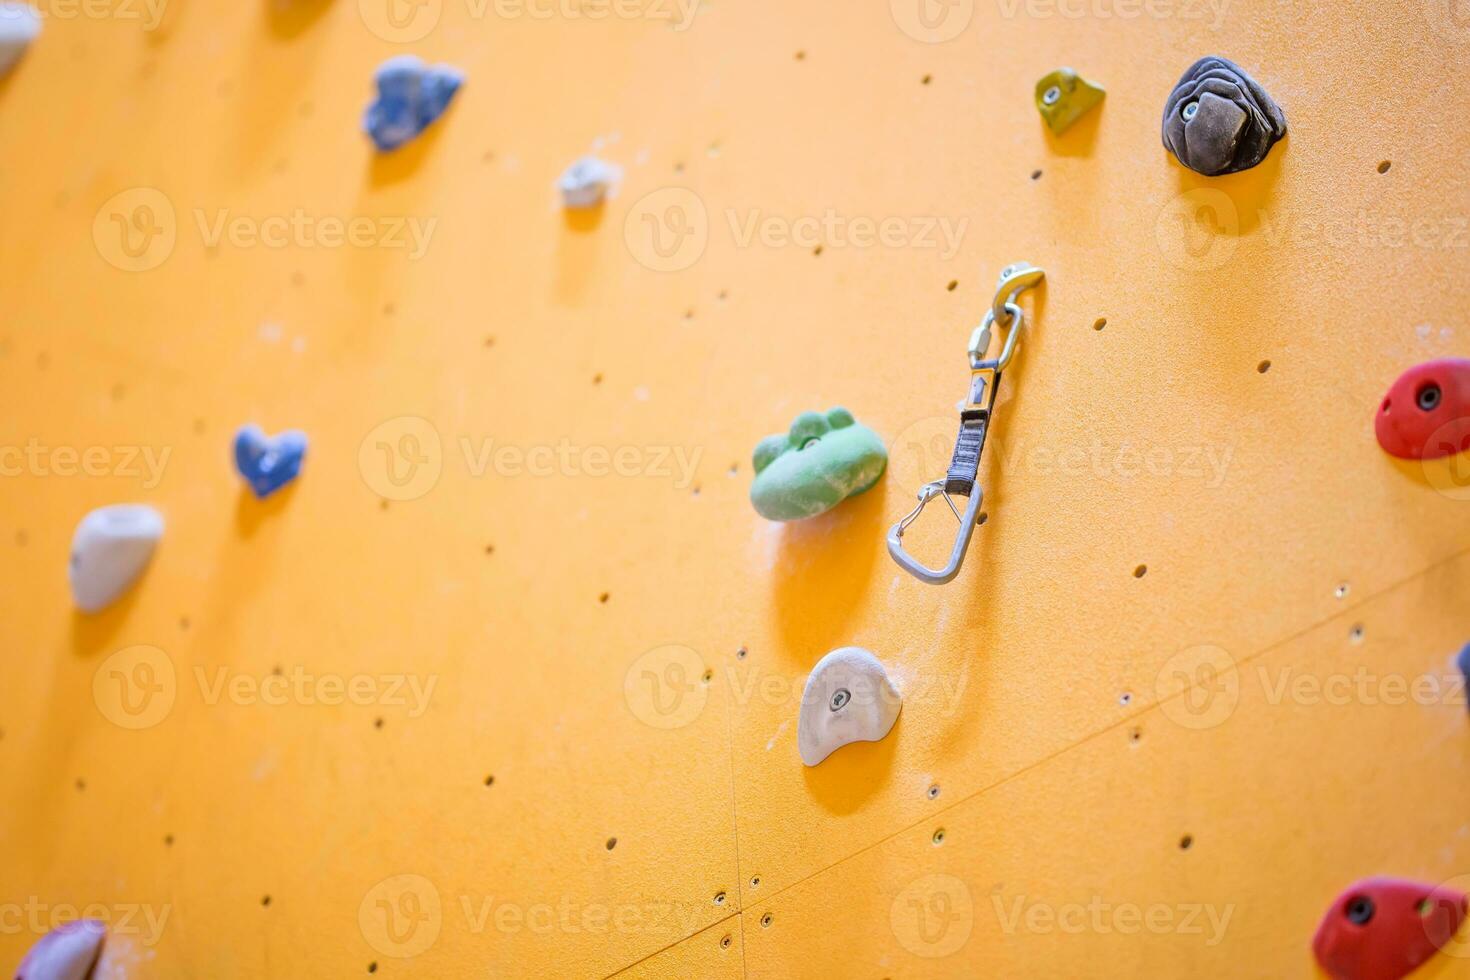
(1063, 97)
(821, 462)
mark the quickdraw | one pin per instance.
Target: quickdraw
(975, 417)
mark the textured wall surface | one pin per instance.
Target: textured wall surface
(1194, 679)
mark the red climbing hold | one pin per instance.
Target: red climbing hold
(1384, 928)
(1426, 414)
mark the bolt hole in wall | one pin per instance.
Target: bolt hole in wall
(1263, 367)
(1186, 842)
(938, 837)
(611, 843)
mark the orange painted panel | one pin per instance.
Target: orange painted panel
(508, 681)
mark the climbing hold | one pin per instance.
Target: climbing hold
(1463, 662)
(848, 698)
(1063, 97)
(1426, 413)
(411, 95)
(586, 182)
(109, 550)
(1218, 120)
(1384, 928)
(20, 24)
(68, 952)
(268, 462)
(820, 462)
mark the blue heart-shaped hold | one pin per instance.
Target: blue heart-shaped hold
(268, 463)
(411, 95)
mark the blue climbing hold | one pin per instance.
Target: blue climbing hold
(1463, 661)
(411, 95)
(268, 462)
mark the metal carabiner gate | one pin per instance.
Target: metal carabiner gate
(975, 417)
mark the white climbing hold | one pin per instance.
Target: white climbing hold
(848, 698)
(68, 952)
(586, 182)
(20, 24)
(109, 550)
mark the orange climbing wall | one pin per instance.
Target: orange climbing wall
(506, 685)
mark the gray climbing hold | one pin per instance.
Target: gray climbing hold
(68, 952)
(848, 698)
(1219, 120)
(586, 182)
(20, 24)
(110, 549)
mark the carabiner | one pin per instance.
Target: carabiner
(975, 415)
